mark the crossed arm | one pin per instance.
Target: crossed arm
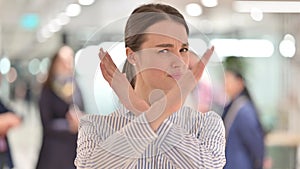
(161, 109)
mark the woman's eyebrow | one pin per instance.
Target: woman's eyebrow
(165, 45)
(170, 45)
(185, 45)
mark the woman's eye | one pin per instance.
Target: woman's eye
(163, 51)
(184, 50)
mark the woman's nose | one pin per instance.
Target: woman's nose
(177, 61)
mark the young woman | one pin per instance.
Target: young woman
(152, 129)
(245, 136)
(60, 124)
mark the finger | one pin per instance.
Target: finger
(110, 67)
(101, 54)
(200, 66)
(105, 74)
(205, 58)
(108, 57)
(207, 55)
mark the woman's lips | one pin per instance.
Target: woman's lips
(176, 76)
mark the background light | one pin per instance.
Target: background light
(290, 37)
(209, 3)
(73, 10)
(287, 48)
(193, 9)
(63, 19)
(86, 2)
(29, 21)
(34, 66)
(256, 14)
(243, 47)
(268, 6)
(4, 65)
(12, 75)
(44, 65)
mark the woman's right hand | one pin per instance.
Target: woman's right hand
(121, 85)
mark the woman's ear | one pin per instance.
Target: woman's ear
(131, 57)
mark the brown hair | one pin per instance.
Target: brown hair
(139, 20)
(50, 76)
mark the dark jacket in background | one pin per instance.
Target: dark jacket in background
(58, 149)
(245, 139)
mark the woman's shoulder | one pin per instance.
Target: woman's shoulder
(187, 115)
(99, 119)
(190, 112)
(96, 118)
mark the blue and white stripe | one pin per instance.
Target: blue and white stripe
(187, 139)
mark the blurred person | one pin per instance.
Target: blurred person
(244, 132)
(8, 120)
(152, 128)
(60, 103)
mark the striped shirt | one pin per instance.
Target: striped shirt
(187, 139)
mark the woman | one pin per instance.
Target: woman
(152, 130)
(59, 103)
(244, 133)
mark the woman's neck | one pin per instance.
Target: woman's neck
(141, 89)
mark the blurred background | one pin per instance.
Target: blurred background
(265, 34)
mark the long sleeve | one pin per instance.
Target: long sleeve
(121, 142)
(118, 150)
(52, 123)
(251, 134)
(203, 150)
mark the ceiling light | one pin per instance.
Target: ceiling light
(53, 26)
(243, 47)
(209, 3)
(290, 37)
(86, 2)
(63, 19)
(287, 48)
(268, 6)
(256, 14)
(193, 9)
(73, 10)
(46, 33)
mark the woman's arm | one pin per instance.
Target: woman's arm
(100, 146)
(161, 109)
(202, 148)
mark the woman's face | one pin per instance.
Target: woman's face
(163, 57)
(233, 85)
(64, 63)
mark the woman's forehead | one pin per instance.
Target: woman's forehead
(159, 40)
(168, 29)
